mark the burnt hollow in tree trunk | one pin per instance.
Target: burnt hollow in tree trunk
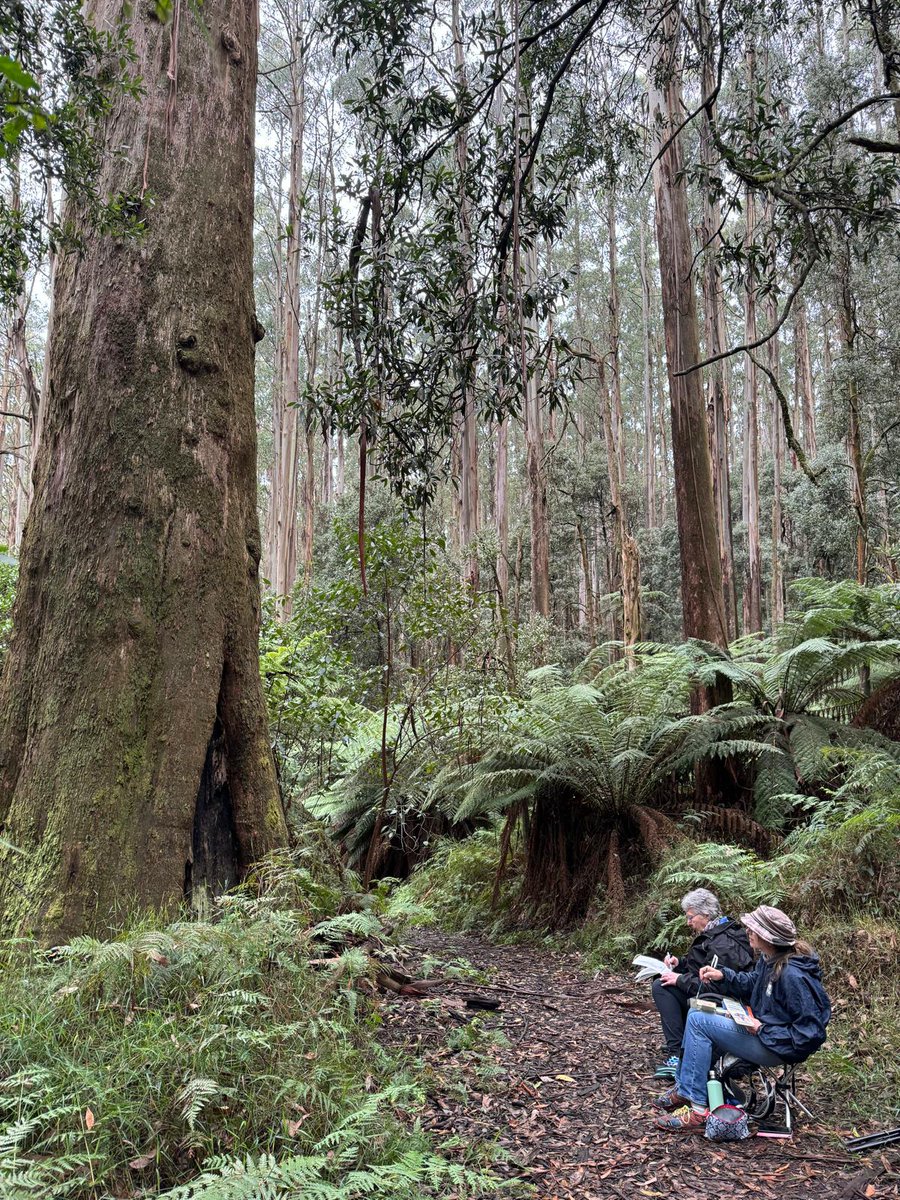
(215, 863)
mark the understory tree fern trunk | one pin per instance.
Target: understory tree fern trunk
(135, 763)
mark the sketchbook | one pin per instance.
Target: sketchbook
(650, 967)
(737, 1012)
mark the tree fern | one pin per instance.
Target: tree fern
(591, 762)
(797, 686)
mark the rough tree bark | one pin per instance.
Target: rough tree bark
(135, 763)
(701, 574)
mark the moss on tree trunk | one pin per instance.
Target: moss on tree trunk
(135, 764)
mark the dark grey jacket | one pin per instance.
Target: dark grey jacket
(728, 939)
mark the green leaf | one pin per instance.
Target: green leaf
(14, 128)
(16, 74)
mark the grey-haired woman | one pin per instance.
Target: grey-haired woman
(717, 938)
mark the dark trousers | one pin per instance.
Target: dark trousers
(673, 1010)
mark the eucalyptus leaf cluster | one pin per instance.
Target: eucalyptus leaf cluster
(59, 76)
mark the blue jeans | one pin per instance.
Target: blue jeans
(707, 1036)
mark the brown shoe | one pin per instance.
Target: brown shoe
(670, 1099)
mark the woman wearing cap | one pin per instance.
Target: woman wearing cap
(790, 1012)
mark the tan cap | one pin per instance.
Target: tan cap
(772, 925)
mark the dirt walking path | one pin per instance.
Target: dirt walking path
(568, 1100)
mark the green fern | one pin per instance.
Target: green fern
(352, 924)
(588, 768)
(209, 1037)
(803, 688)
(194, 1096)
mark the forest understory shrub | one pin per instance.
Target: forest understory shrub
(206, 1059)
(455, 889)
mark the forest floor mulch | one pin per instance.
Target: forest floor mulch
(565, 1093)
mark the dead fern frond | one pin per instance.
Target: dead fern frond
(739, 828)
(649, 830)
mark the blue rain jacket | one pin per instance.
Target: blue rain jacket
(794, 1008)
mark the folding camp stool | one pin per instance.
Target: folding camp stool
(761, 1090)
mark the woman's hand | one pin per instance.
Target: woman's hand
(710, 974)
(755, 1027)
(668, 978)
(671, 960)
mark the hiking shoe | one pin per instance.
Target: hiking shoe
(685, 1120)
(667, 1069)
(670, 1100)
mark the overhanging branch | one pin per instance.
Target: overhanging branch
(746, 347)
(789, 434)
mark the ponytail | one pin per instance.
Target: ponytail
(785, 954)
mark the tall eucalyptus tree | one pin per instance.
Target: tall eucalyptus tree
(134, 756)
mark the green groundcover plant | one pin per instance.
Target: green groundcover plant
(207, 1059)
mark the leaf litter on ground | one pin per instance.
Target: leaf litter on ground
(557, 1086)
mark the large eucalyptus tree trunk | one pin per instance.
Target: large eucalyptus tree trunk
(135, 764)
(535, 456)
(803, 381)
(718, 398)
(701, 573)
(649, 456)
(750, 482)
(614, 434)
(777, 607)
(468, 418)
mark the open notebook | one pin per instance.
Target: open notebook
(737, 1012)
(650, 967)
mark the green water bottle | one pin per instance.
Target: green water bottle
(714, 1093)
